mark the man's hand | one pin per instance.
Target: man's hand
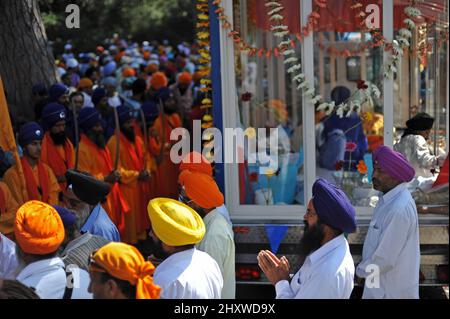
(61, 179)
(275, 269)
(144, 175)
(113, 177)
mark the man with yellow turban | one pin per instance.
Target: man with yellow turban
(202, 194)
(39, 232)
(186, 273)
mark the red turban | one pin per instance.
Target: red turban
(202, 189)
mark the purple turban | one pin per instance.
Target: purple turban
(125, 114)
(98, 95)
(68, 218)
(394, 164)
(151, 111)
(30, 132)
(52, 114)
(56, 91)
(333, 207)
(88, 118)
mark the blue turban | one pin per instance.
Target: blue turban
(52, 114)
(110, 81)
(98, 95)
(56, 91)
(68, 218)
(163, 93)
(125, 114)
(109, 68)
(151, 110)
(333, 207)
(88, 118)
(340, 94)
(30, 132)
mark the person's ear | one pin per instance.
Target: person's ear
(111, 289)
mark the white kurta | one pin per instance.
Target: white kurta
(49, 280)
(9, 263)
(219, 244)
(328, 273)
(392, 245)
(417, 152)
(190, 274)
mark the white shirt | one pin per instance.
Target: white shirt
(87, 100)
(328, 273)
(392, 244)
(9, 262)
(49, 280)
(219, 244)
(190, 274)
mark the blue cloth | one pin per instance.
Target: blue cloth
(125, 114)
(30, 132)
(99, 224)
(52, 114)
(151, 110)
(88, 118)
(68, 218)
(333, 207)
(164, 94)
(332, 150)
(98, 95)
(56, 91)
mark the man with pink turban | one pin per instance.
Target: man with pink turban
(391, 253)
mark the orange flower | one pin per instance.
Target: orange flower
(362, 168)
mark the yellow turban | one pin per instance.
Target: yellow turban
(175, 223)
(202, 189)
(38, 228)
(126, 263)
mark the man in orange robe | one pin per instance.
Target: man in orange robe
(135, 174)
(94, 158)
(8, 209)
(57, 149)
(40, 182)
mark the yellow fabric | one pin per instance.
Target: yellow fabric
(38, 228)
(12, 179)
(202, 189)
(126, 263)
(7, 139)
(175, 223)
(8, 217)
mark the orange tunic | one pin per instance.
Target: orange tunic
(167, 170)
(98, 163)
(8, 209)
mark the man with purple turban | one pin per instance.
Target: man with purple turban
(391, 253)
(328, 270)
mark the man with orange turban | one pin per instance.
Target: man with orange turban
(39, 232)
(186, 273)
(183, 94)
(85, 86)
(118, 271)
(202, 194)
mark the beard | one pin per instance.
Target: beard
(82, 215)
(158, 250)
(312, 239)
(97, 137)
(128, 133)
(58, 138)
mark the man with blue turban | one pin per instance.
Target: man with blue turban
(328, 270)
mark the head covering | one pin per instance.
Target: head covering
(110, 81)
(196, 162)
(185, 78)
(340, 94)
(109, 68)
(152, 67)
(126, 263)
(202, 189)
(151, 110)
(127, 72)
(88, 118)
(56, 91)
(38, 228)
(52, 114)
(72, 63)
(125, 114)
(420, 122)
(333, 207)
(175, 223)
(85, 83)
(163, 94)
(87, 188)
(394, 164)
(158, 80)
(30, 132)
(68, 218)
(39, 89)
(98, 95)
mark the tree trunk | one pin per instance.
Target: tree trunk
(25, 56)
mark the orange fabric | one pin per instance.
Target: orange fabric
(38, 228)
(185, 78)
(8, 209)
(152, 68)
(59, 158)
(196, 162)
(159, 80)
(128, 72)
(97, 162)
(126, 263)
(85, 83)
(40, 190)
(202, 189)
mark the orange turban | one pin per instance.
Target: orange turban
(85, 83)
(152, 68)
(202, 189)
(158, 80)
(38, 228)
(185, 78)
(128, 72)
(196, 162)
(126, 263)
